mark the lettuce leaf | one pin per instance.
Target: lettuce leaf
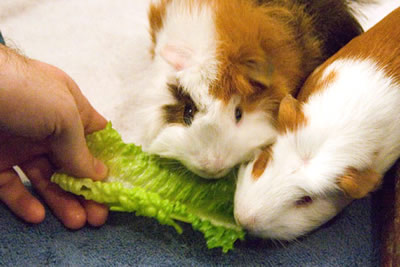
(163, 189)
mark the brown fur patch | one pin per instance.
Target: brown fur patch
(263, 101)
(265, 52)
(156, 16)
(290, 116)
(315, 84)
(255, 39)
(261, 162)
(291, 37)
(357, 184)
(380, 43)
(267, 48)
(175, 113)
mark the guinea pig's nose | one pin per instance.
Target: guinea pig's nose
(214, 166)
(246, 220)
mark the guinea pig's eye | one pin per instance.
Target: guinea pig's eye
(238, 114)
(188, 114)
(304, 201)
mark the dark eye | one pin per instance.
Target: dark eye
(238, 114)
(188, 114)
(304, 201)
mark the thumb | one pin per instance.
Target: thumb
(70, 152)
(74, 117)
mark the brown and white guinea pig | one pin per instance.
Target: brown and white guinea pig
(335, 142)
(219, 71)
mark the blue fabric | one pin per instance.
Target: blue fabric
(351, 239)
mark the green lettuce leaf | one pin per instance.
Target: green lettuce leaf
(163, 189)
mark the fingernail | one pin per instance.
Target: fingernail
(100, 168)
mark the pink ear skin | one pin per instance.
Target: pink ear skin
(357, 184)
(178, 57)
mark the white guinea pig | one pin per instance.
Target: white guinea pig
(219, 71)
(334, 144)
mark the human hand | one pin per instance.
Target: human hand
(43, 120)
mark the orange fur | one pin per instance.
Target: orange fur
(265, 49)
(261, 59)
(261, 162)
(383, 45)
(290, 116)
(156, 16)
(357, 184)
(314, 84)
(251, 36)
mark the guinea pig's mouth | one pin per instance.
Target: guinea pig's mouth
(208, 174)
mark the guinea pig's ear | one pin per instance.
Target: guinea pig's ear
(262, 162)
(357, 184)
(179, 56)
(259, 73)
(156, 15)
(290, 115)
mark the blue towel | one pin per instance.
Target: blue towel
(351, 239)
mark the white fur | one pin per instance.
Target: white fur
(104, 45)
(185, 54)
(352, 122)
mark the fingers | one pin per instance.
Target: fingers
(64, 205)
(96, 213)
(14, 194)
(72, 211)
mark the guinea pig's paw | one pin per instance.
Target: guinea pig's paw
(357, 184)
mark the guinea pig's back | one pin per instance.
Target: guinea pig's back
(380, 45)
(334, 21)
(355, 97)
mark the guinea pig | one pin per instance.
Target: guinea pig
(219, 71)
(335, 141)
